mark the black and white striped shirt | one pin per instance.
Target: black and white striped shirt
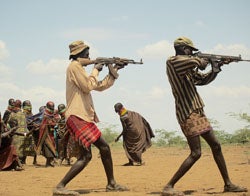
(183, 75)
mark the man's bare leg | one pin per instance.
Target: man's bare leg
(220, 161)
(108, 165)
(195, 147)
(75, 169)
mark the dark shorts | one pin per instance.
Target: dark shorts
(196, 124)
(82, 131)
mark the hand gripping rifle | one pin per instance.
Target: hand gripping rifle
(225, 59)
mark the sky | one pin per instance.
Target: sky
(35, 35)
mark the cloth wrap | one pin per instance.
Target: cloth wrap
(84, 132)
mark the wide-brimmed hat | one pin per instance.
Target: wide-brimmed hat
(76, 47)
(185, 41)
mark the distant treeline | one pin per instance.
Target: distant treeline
(173, 138)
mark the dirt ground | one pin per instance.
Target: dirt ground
(161, 163)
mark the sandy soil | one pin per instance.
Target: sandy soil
(203, 179)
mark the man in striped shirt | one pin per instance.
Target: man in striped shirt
(183, 75)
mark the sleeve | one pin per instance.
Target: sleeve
(184, 64)
(148, 127)
(203, 79)
(104, 84)
(88, 82)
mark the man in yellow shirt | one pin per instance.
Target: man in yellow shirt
(81, 116)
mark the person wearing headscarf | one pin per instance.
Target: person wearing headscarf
(10, 108)
(29, 141)
(46, 142)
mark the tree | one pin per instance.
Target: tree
(169, 138)
(221, 135)
(243, 117)
(242, 135)
(109, 133)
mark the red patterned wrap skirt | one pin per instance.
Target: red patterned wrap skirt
(83, 132)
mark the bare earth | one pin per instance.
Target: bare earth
(161, 163)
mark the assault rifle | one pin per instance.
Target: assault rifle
(220, 58)
(116, 60)
(119, 62)
(113, 60)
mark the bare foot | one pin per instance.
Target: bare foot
(116, 188)
(64, 192)
(169, 191)
(234, 188)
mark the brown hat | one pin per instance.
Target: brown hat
(76, 47)
(185, 41)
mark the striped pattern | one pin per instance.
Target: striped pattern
(183, 75)
(83, 131)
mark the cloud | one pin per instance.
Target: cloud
(199, 23)
(53, 66)
(9, 88)
(158, 50)
(4, 53)
(163, 49)
(228, 92)
(120, 18)
(142, 96)
(5, 73)
(39, 95)
(157, 93)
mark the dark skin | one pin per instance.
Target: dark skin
(86, 154)
(84, 54)
(195, 147)
(195, 154)
(84, 159)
